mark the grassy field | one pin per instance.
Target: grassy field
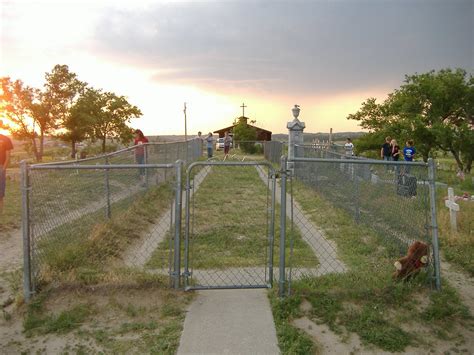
(79, 250)
(384, 314)
(230, 224)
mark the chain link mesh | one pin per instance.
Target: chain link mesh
(88, 213)
(391, 199)
(229, 236)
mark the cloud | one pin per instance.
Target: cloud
(305, 47)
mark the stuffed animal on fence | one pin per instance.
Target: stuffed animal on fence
(409, 265)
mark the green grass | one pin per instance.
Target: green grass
(457, 246)
(38, 321)
(230, 224)
(11, 217)
(366, 300)
(290, 339)
(79, 250)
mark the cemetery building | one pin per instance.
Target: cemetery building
(262, 134)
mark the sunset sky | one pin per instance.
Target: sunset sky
(327, 56)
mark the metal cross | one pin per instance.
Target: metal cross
(243, 109)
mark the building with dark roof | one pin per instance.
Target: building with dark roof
(262, 134)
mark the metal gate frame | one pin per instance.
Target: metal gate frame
(271, 232)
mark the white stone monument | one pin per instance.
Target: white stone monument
(295, 134)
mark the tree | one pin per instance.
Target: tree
(16, 102)
(108, 115)
(61, 90)
(246, 135)
(435, 109)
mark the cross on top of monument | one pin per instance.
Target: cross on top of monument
(243, 109)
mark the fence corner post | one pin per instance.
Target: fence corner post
(434, 222)
(177, 227)
(25, 227)
(282, 271)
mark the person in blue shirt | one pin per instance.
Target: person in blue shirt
(409, 153)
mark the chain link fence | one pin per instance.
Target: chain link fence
(93, 218)
(229, 225)
(392, 198)
(273, 150)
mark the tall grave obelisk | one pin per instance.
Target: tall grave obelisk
(295, 134)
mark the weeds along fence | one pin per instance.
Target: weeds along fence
(104, 217)
(395, 199)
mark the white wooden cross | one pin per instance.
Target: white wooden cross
(453, 208)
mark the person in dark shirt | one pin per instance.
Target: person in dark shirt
(386, 151)
(5, 147)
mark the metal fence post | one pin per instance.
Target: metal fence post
(177, 227)
(146, 162)
(25, 226)
(272, 229)
(434, 222)
(186, 229)
(107, 191)
(281, 282)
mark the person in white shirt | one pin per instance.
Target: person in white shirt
(349, 147)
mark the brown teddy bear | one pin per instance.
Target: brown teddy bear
(417, 257)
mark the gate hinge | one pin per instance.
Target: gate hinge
(187, 274)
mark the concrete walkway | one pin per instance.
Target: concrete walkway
(229, 322)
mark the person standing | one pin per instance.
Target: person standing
(6, 146)
(349, 147)
(140, 139)
(209, 144)
(227, 143)
(386, 151)
(409, 153)
(201, 141)
(395, 150)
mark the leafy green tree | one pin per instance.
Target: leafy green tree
(435, 109)
(107, 115)
(62, 90)
(246, 135)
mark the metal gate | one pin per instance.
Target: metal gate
(229, 225)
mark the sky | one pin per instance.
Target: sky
(327, 56)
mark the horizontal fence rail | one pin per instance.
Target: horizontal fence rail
(86, 220)
(395, 199)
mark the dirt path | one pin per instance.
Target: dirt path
(11, 250)
(10, 261)
(462, 282)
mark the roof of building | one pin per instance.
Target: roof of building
(240, 118)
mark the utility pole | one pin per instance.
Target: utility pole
(185, 132)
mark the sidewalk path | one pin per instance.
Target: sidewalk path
(229, 322)
(324, 249)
